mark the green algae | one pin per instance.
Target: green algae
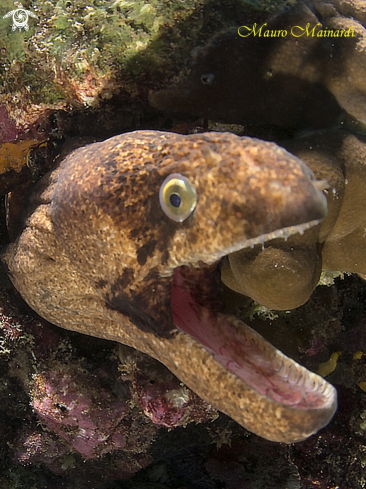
(79, 37)
(134, 45)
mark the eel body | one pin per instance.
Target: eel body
(124, 241)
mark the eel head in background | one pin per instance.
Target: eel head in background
(124, 241)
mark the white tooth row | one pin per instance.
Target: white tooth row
(297, 375)
(279, 233)
(291, 373)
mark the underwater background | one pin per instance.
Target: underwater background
(81, 412)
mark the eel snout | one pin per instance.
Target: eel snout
(124, 240)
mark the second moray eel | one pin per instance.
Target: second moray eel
(124, 240)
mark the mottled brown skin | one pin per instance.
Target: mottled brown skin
(284, 274)
(97, 254)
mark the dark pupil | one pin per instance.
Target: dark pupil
(175, 200)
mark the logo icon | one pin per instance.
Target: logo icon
(20, 17)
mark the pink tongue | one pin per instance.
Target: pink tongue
(244, 352)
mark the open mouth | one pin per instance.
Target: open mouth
(197, 310)
(85, 265)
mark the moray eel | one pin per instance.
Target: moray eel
(124, 240)
(299, 81)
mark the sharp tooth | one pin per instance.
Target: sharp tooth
(312, 387)
(321, 184)
(279, 233)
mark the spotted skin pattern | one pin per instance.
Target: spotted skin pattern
(97, 254)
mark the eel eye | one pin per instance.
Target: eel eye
(177, 197)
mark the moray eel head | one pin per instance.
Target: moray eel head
(124, 241)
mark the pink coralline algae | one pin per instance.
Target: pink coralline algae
(40, 447)
(83, 408)
(38, 129)
(159, 394)
(8, 128)
(164, 404)
(170, 404)
(74, 406)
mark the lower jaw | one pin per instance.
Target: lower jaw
(197, 310)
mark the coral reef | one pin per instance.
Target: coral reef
(82, 54)
(159, 396)
(25, 152)
(284, 274)
(85, 70)
(79, 407)
(64, 400)
(347, 56)
(101, 55)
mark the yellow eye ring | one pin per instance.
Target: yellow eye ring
(177, 197)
